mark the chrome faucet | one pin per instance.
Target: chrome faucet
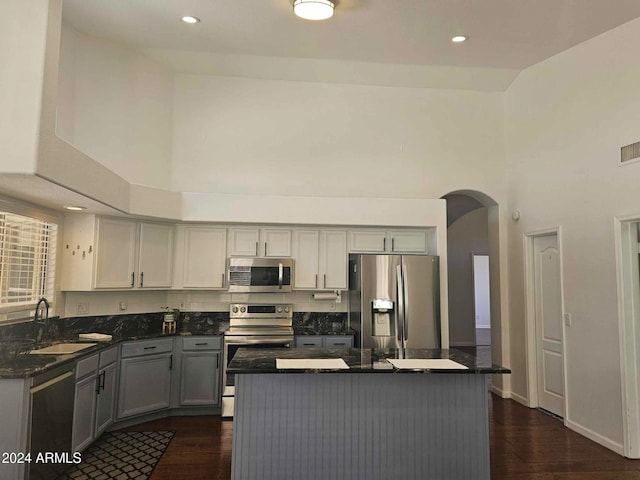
(37, 319)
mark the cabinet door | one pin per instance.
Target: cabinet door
(156, 255)
(199, 378)
(84, 412)
(115, 253)
(306, 247)
(136, 396)
(243, 242)
(205, 251)
(408, 241)
(276, 242)
(334, 260)
(368, 241)
(105, 398)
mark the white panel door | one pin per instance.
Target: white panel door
(116, 253)
(548, 317)
(306, 245)
(205, 251)
(156, 255)
(335, 260)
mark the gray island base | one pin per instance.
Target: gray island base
(385, 425)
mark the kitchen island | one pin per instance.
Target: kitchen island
(370, 421)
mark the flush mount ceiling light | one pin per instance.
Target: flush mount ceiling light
(190, 19)
(459, 38)
(75, 208)
(313, 9)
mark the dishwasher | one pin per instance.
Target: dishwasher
(52, 401)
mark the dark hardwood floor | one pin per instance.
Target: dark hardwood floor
(525, 444)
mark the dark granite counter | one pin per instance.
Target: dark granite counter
(121, 327)
(248, 360)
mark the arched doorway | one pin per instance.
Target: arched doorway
(473, 229)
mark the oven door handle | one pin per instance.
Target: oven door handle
(254, 341)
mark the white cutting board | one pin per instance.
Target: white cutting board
(426, 363)
(311, 364)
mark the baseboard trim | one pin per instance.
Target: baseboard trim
(498, 391)
(520, 399)
(596, 437)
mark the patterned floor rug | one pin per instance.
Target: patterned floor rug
(121, 456)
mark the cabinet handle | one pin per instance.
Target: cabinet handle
(316, 280)
(141, 278)
(393, 246)
(133, 274)
(256, 249)
(201, 344)
(339, 343)
(150, 348)
(171, 362)
(217, 361)
(308, 344)
(325, 281)
(98, 384)
(103, 376)
(265, 249)
(384, 244)
(222, 280)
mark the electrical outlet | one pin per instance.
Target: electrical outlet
(567, 319)
(332, 306)
(82, 308)
(123, 306)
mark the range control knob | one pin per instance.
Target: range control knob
(279, 309)
(286, 309)
(235, 309)
(243, 309)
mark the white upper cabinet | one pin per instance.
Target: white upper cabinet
(201, 255)
(320, 259)
(389, 241)
(155, 255)
(259, 242)
(113, 253)
(116, 246)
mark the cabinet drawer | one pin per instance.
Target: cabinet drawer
(308, 341)
(86, 366)
(108, 356)
(338, 341)
(147, 347)
(202, 343)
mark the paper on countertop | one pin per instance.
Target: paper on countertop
(426, 363)
(98, 337)
(311, 363)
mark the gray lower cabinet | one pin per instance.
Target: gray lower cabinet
(95, 395)
(324, 341)
(200, 363)
(145, 377)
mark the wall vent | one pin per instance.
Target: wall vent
(630, 152)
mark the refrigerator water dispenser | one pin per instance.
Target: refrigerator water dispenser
(381, 312)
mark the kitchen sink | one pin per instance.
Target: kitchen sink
(62, 349)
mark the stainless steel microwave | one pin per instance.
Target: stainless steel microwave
(263, 275)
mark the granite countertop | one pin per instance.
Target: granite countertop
(25, 366)
(323, 330)
(248, 360)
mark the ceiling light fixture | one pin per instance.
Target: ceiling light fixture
(313, 9)
(459, 38)
(190, 19)
(75, 208)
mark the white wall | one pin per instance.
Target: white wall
(23, 38)
(274, 137)
(566, 119)
(115, 105)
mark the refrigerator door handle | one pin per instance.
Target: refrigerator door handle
(400, 323)
(405, 303)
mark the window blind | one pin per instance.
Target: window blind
(27, 263)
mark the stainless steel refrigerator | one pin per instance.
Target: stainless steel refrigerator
(394, 300)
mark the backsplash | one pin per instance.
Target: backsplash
(131, 302)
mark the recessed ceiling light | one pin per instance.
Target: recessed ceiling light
(314, 9)
(190, 19)
(459, 38)
(75, 208)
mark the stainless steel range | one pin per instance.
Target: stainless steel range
(253, 326)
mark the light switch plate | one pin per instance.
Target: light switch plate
(567, 319)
